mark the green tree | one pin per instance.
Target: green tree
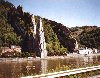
(53, 45)
(90, 38)
(7, 34)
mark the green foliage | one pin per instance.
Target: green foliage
(73, 29)
(90, 38)
(7, 34)
(27, 54)
(53, 45)
(87, 36)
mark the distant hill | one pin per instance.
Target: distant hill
(87, 36)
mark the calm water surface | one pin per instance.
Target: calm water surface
(12, 69)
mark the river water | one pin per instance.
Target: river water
(16, 69)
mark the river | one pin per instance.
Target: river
(16, 69)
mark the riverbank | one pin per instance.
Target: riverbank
(74, 55)
(20, 67)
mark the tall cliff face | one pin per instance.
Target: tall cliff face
(40, 35)
(42, 43)
(39, 39)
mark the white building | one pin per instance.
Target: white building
(85, 51)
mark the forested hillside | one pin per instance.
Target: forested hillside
(16, 28)
(7, 34)
(87, 36)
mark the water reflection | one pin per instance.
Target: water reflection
(18, 69)
(43, 66)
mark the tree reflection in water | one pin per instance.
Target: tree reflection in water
(18, 69)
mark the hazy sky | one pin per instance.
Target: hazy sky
(68, 12)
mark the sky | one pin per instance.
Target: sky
(70, 13)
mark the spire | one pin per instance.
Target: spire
(42, 41)
(33, 20)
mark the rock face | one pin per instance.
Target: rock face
(76, 45)
(42, 43)
(34, 41)
(39, 38)
(33, 21)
